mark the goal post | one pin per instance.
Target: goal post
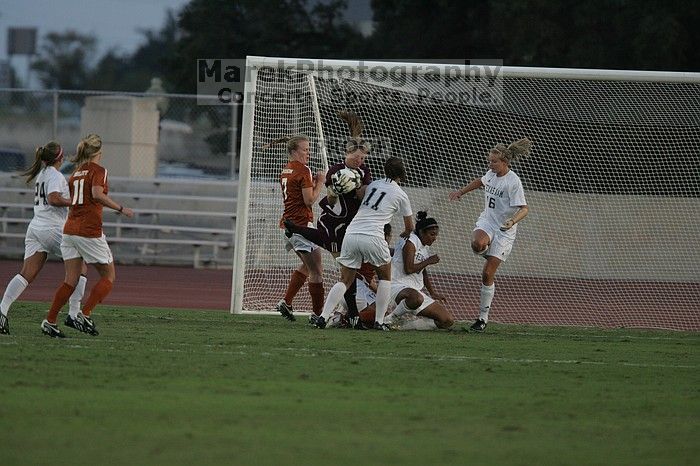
(613, 182)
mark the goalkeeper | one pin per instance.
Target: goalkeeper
(345, 190)
(495, 230)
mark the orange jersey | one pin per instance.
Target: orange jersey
(85, 213)
(295, 177)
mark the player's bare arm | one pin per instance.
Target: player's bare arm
(519, 215)
(408, 226)
(99, 195)
(475, 184)
(409, 264)
(56, 200)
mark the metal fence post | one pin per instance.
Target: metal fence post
(54, 132)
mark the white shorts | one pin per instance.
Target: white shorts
(92, 250)
(298, 243)
(363, 248)
(501, 243)
(397, 288)
(44, 240)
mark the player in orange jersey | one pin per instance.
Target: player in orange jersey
(300, 190)
(83, 239)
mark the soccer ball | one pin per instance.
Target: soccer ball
(345, 180)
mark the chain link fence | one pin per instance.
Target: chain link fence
(194, 141)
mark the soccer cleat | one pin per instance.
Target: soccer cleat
(4, 325)
(86, 324)
(478, 326)
(382, 327)
(286, 310)
(320, 322)
(73, 323)
(52, 330)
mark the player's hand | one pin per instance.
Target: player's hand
(456, 195)
(127, 211)
(507, 225)
(320, 176)
(434, 259)
(405, 234)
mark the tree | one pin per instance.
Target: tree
(234, 29)
(620, 34)
(63, 59)
(133, 72)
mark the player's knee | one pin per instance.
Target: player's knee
(479, 247)
(414, 301)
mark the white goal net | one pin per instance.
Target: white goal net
(613, 183)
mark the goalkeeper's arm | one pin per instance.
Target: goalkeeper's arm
(331, 195)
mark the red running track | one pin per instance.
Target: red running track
(595, 303)
(147, 286)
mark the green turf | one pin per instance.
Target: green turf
(194, 387)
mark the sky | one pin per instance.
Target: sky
(115, 23)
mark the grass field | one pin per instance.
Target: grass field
(194, 387)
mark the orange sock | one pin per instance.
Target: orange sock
(316, 292)
(59, 300)
(98, 293)
(296, 281)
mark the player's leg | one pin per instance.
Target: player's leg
(439, 314)
(314, 264)
(383, 293)
(480, 241)
(77, 296)
(296, 281)
(63, 293)
(30, 269)
(487, 292)
(335, 295)
(318, 236)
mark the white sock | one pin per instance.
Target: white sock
(334, 296)
(12, 292)
(419, 323)
(383, 296)
(76, 297)
(487, 293)
(400, 309)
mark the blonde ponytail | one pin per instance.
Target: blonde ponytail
(355, 141)
(292, 142)
(88, 147)
(517, 150)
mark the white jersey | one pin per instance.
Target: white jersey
(503, 196)
(382, 200)
(49, 180)
(398, 273)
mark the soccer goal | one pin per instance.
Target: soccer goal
(613, 182)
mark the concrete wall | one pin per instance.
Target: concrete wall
(565, 235)
(128, 127)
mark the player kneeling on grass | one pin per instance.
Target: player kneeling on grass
(416, 310)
